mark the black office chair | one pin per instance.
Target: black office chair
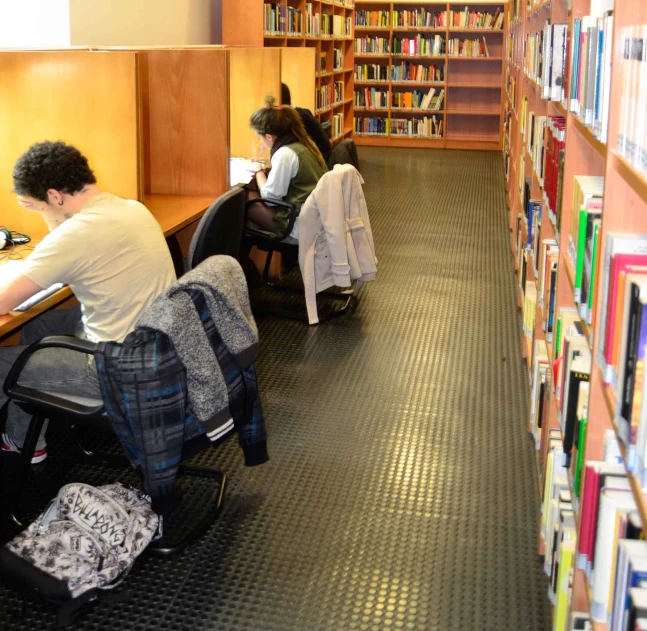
(285, 244)
(343, 152)
(220, 230)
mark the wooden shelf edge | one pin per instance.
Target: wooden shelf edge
(600, 147)
(637, 181)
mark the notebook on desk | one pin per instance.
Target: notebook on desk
(240, 171)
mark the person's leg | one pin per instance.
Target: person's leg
(260, 216)
(55, 370)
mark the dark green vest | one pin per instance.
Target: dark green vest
(302, 184)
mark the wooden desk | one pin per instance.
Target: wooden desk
(173, 212)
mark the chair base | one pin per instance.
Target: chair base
(177, 521)
(188, 520)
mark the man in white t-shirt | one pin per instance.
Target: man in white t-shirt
(110, 251)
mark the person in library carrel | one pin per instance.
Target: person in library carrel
(110, 251)
(296, 167)
(312, 125)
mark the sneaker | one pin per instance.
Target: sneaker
(9, 446)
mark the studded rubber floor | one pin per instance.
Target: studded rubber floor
(401, 492)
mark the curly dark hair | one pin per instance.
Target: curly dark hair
(47, 165)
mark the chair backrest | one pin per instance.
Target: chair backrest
(220, 230)
(344, 152)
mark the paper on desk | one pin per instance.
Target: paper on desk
(240, 171)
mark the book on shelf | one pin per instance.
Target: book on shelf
(419, 46)
(371, 72)
(419, 18)
(573, 344)
(631, 564)
(378, 19)
(580, 436)
(564, 530)
(637, 617)
(472, 19)
(578, 371)
(597, 475)
(337, 125)
(621, 250)
(372, 45)
(370, 125)
(371, 98)
(338, 59)
(580, 621)
(529, 309)
(425, 127)
(566, 318)
(457, 47)
(555, 481)
(312, 21)
(422, 73)
(589, 271)
(590, 83)
(275, 18)
(555, 138)
(540, 371)
(630, 364)
(585, 208)
(613, 503)
(632, 135)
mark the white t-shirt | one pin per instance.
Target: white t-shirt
(114, 257)
(285, 166)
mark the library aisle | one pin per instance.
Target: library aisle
(401, 492)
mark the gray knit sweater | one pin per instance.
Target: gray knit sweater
(222, 282)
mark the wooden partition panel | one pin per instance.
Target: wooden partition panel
(298, 73)
(253, 74)
(185, 105)
(88, 99)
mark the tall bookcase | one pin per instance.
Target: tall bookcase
(472, 111)
(303, 23)
(624, 209)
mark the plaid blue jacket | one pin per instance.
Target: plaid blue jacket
(144, 388)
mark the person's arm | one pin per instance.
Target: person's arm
(14, 290)
(285, 166)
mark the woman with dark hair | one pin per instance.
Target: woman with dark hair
(297, 165)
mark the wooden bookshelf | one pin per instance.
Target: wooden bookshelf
(624, 209)
(472, 111)
(243, 23)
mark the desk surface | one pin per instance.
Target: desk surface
(173, 212)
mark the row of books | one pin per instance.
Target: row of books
(467, 47)
(328, 95)
(335, 26)
(338, 59)
(409, 71)
(377, 19)
(426, 127)
(632, 135)
(337, 125)
(423, 18)
(419, 18)
(584, 229)
(371, 98)
(418, 100)
(419, 46)
(622, 340)
(371, 72)
(476, 19)
(553, 176)
(275, 18)
(370, 125)
(545, 60)
(590, 84)
(372, 45)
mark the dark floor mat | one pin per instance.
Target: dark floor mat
(401, 491)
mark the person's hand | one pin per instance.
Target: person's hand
(255, 167)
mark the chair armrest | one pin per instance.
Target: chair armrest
(292, 217)
(23, 394)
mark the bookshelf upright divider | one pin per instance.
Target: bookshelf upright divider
(391, 42)
(323, 25)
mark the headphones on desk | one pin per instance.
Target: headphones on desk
(12, 238)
